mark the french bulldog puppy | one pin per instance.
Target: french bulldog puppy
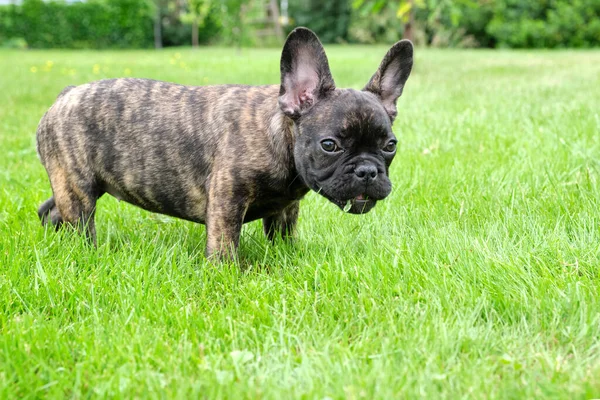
(228, 154)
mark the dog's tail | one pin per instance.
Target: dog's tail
(45, 208)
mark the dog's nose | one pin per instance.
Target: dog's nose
(367, 173)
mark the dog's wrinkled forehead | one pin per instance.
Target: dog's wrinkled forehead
(352, 114)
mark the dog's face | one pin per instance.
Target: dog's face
(344, 140)
(344, 147)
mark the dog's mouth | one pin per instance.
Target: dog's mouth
(360, 204)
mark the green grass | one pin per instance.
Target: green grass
(477, 278)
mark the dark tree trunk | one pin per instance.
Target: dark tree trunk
(158, 29)
(410, 25)
(277, 22)
(195, 32)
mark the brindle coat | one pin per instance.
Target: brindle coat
(219, 155)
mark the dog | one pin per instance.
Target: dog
(227, 154)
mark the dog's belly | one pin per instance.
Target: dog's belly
(189, 205)
(269, 205)
(261, 210)
(192, 206)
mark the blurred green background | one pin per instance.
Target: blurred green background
(160, 23)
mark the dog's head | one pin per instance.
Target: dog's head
(344, 140)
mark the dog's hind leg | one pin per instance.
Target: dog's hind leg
(74, 202)
(282, 223)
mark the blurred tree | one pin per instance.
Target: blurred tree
(329, 19)
(545, 23)
(147, 23)
(405, 11)
(264, 20)
(156, 6)
(197, 12)
(233, 17)
(438, 21)
(382, 20)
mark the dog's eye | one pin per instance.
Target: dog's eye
(329, 145)
(390, 147)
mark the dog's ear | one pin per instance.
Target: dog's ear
(305, 74)
(388, 82)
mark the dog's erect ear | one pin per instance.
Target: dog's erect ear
(305, 74)
(388, 82)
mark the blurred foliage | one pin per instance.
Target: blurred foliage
(546, 23)
(95, 24)
(485, 23)
(441, 23)
(374, 22)
(237, 18)
(436, 22)
(330, 19)
(176, 28)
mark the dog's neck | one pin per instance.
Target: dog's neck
(282, 137)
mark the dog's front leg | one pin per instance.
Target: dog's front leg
(223, 227)
(224, 218)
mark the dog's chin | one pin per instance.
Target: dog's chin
(358, 205)
(351, 200)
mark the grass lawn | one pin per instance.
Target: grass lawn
(479, 277)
